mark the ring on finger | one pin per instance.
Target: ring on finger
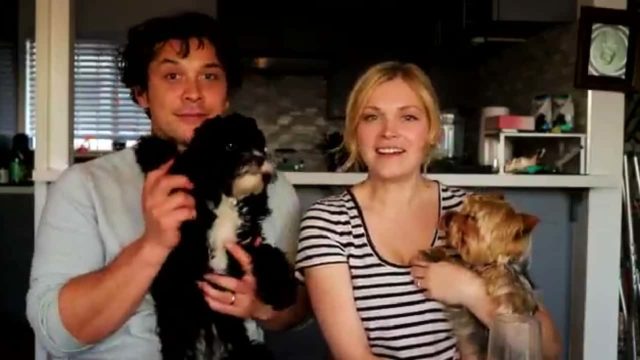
(233, 299)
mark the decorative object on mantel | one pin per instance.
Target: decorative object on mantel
(607, 49)
(553, 113)
(525, 164)
(563, 113)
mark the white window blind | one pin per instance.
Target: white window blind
(103, 110)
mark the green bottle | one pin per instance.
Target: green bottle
(16, 171)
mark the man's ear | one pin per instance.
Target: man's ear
(141, 96)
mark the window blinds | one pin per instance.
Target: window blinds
(103, 109)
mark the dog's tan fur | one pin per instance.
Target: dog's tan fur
(489, 237)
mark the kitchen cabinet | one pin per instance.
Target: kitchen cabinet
(16, 241)
(515, 18)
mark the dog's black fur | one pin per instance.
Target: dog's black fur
(220, 147)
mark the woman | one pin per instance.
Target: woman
(356, 248)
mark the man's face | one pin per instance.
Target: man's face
(182, 92)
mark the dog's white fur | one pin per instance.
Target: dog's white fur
(225, 227)
(223, 230)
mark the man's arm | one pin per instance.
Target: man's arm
(74, 301)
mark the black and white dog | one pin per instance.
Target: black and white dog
(226, 162)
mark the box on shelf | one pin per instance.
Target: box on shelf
(510, 122)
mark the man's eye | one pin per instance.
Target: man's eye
(230, 146)
(172, 76)
(211, 76)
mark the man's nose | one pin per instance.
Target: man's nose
(192, 90)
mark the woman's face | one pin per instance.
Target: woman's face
(392, 131)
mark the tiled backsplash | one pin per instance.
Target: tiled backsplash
(291, 110)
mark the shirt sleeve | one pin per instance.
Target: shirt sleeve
(282, 226)
(320, 237)
(67, 244)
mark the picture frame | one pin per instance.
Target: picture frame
(608, 50)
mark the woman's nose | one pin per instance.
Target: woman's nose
(389, 128)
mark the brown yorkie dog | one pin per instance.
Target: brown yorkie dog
(487, 236)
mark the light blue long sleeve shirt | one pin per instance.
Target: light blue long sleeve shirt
(91, 213)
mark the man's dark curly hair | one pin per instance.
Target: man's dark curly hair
(144, 39)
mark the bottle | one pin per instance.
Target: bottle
(17, 170)
(21, 160)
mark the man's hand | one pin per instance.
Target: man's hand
(240, 298)
(165, 208)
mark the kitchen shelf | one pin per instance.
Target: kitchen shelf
(467, 180)
(301, 178)
(16, 189)
(509, 136)
(535, 134)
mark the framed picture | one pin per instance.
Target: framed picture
(608, 51)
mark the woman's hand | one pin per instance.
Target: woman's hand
(239, 299)
(446, 282)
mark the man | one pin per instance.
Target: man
(106, 229)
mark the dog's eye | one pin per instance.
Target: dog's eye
(230, 146)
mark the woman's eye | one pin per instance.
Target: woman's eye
(369, 117)
(410, 117)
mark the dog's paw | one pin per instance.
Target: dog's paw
(275, 280)
(152, 151)
(219, 263)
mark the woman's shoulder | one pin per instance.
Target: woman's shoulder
(453, 191)
(451, 197)
(336, 204)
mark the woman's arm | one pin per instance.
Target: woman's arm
(436, 279)
(483, 308)
(331, 294)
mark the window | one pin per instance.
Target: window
(103, 110)
(8, 86)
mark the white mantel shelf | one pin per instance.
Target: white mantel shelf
(301, 178)
(467, 180)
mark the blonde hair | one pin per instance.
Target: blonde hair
(378, 74)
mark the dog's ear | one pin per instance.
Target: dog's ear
(445, 220)
(152, 151)
(495, 195)
(529, 222)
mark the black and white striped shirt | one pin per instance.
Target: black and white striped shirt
(399, 320)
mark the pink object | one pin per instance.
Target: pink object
(510, 122)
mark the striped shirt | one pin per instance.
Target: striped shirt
(399, 320)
